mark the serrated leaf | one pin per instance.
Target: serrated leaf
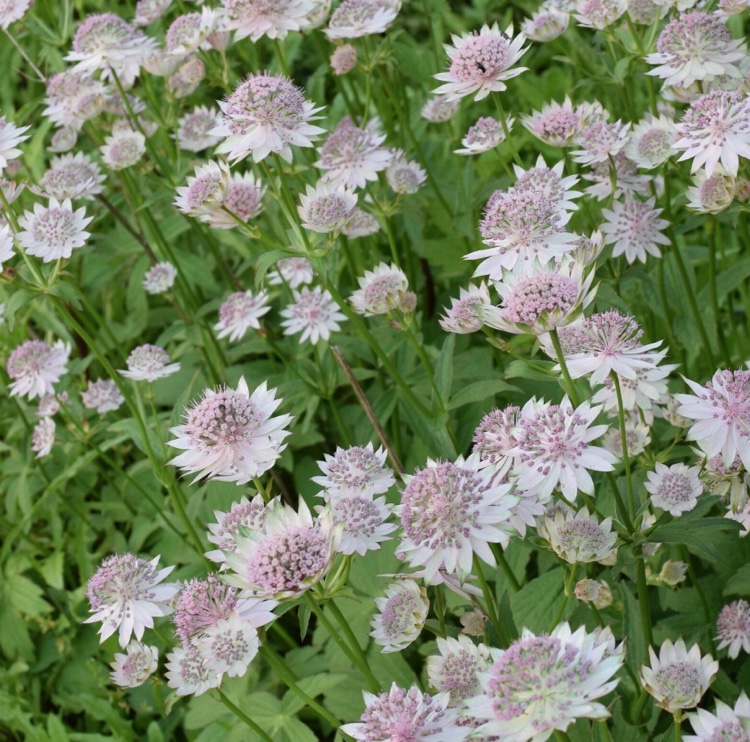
(536, 604)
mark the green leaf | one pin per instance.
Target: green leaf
(739, 582)
(521, 370)
(706, 536)
(508, 628)
(480, 391)
(535, 606)
(303, 616)
(632, 629)
(314, 686)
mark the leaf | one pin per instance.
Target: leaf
(314, 686)
(508, 628)
(704, 536)
(739, 582)
(480, 391)
(444, 367)
(536, 604)
(522, 370)
(632, 629)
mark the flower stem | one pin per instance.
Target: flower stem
(678, 725)
(642, 587)
(240, 714)
(506, 130)
(502, 562)
(572, 394)
(624, 442)
(710, 227)
(567, 591)
(489, 597)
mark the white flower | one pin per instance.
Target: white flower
(313, 313)
(205, 191)
(246, 513)
(440, 108)
(326, 207)
(711, 194)
(10, 137)
(136, 666)
(652, 141)
(43, 437)
(188, 674)
(123, 149)
(228, 646)
(634, 228)
(674, 488)
(244, 199)
(456, 669)
(36, 367)
(159, 278)
(546, 24)
(103, 396)
(404, 176)
(483, 136)
(294, 271)
(578, 536)
(241, 311)
(193, 129)
(726, 725)
(72, 176)
(733, 627)
(256, 18)
(380, 290)
(358, 470)
(599, 13)
(52, 232)
(401, 615)
(149, 363)
(463, 317)
(362, 522)
(13, 10)
(353, 19)
(6, 244)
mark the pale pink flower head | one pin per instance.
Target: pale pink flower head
(229, 646)
(404, 176)
(159, 278)
(554, 451)
(483, 136)
(266, 113)
(313, 313)
(546, 24)
(186, 78)
(149, 363)
(136, 666)
(73, 98)
(401, 615)
(450, 512)
(360, 224)
(637, 438)
(357, 470)
(408, 715)
(127, 593)
(727, 725)
(715, 128)
(481, 62)
(695, 46)
(206, 190)
(463, 317)
(596, 592)
(635, 230)
(190, 32)
(351, 156)
(559, 124)
(733, 629)
(271, 18)
(12, 11)
(343, 59)
(353, 19)
(641, 394)
(244, 198)
(548, 682)
(149, 11)
(325, 207)
(294, 271)
(652, 141)
(123, 149)
(674, 488)
(245, 514)
(678, 678)
(728, 482)
(599, 14)
(72, 176)
(456, 669)
(102, 396)
(578, 537)
(440, 108)
(548, 181)
(240, 312)
(711, 194)
(495, 438)
(49, 404)
(194, 127)
(721, 413)
(7, 243)
(107, 43)
(188, 673)
(645, 12)
(361, 522)
(626, 177)
(52, 232)
(231, 435)
(732, 7)
(43, 437)
(36, 367)
(599, 141)
(10, 137)
(380, 291)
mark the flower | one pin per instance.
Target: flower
(123, 149)
(728, 724)
(244, 199)
(229, 646)
(733, 627)
(553, 451)
(404, 176)
(12, 11)
(721, 409)
(713, 194)
(102, 396)
(603, 343)
(188, 673)
(450, 512)
(36, 367)
(409, 715)
(626, 177)
(634, 229)
(194, 127)
(6, 244)
(186, 79)
(357, 470)
(495, 438)
(136, 666)
(266, 113)
(159, 278)
(360, 224)
(249, 514)
(730, 482)
(313, 313)
(149, 11)
(578, 536)
(463, 316)
(206, 190)
(481, 62)
(43, 437)
(380, 291)
(352, 156)
(677, 679)
(651, 141)
(149, 363)
(543, 683)
(715, 128)
(401, 615)
(473, 623)
(456, 669)
(72, 99)
(546, 24)
(49, 404)
(596, 592)
(343, 59)
(52, 232)
(127, 592)
(362, 523)
(258, 18)
(599, 141)
(72, 176)
(599, 14)
(290, 554)
(550, 182)
(674, 488)
(560, 124)
(230, 434)
(190, 32)
(637, 438)
(10, 136)
(241, 311)
(63, 140)
(483, 136)
(440, 108)
(294, 271)
(695, 46)
(353, 19)
(326, 207)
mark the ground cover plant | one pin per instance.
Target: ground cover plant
(375, 372)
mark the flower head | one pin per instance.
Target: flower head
(194, 127)
(72, 176)
(102, 396)
(599, 141)
(271, 18)
(149, 363)
(205, 191)
(186, 79)
(456, 669)
(651, 142)
(578, 536)
(159, 278)
(358, 470)
(245, 514)
(136, 666)
(294, 271)
(54, 231)
(313, 313)
(244, 199)
(73, 98)
(230, 434)
(711, 194)
(546, 24)
(560, 124)
(362, 522)
(463, 317)
(123, 149)
(483, 136)
(360, 224)
(401, 615)
(634, 228)
(495, 438)
(733, 627)
(404, 176)
(599, 13)
(353, 19)
(343, 59)
(188, 673)
(727, 725)
(241, 311)
(326, 207)
(36, 367)
(440, 108)
(43, 437)
(12, 11)
(674, 488)
(380, 290)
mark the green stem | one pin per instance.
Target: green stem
(643, 604)
(506, 129)
(710, 227)
(572, 394)
(489, 597)
(240, 714)
(677, 725)
(502, 562)
(624, 442)
(567, 592)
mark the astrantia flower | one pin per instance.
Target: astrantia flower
(637, 438)
(733, 628)
(159, 278)
(244, 199)
(672, 573)
(127, 593)
(193, 129)
(72, 176)
(149, 363)
(73, 98)
(715, 128)
(230, 434)
(12, 11)
(136, 666)
(627, 179)
(240, 312)
(554, 451)
(123, 149)
(52, 232)
(102, 396)
(289, 555)
(633, 227)
(599, 141)
(36, 367)
(43, 437)
(728, 725)
(63, 140)
(741, 516)
(481, 62)
(248, 514)
(326, 207)
(599, 13)
(343, 59)
(380, 291)
(674, 488)
(401, 615)
(265, 114)
(602, 343)
(189, 32)
(404, 176)
(357, 470)
(450, 512)
(721, 410)
(548, 181)
(351, 156)
(677, 679)
(408, 715)
(729, 482)
(186, 78)
(456, 669)
(578, 536)
(711, 194)
(188, 674)
(695, 46)
(205, 191)
(294, 271)
(353, 19)
(545, 25)
(361, 521)
(360, 224)
(596, 592)
(229, 646)
(313, 313)
(543, 683)
(6, 244)
(440, 108)
(483, 136)
(463, 316)
(559, 124)
(495, 438)
(651, 142)
(149, 11)
(258, 18)
(10, 136)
